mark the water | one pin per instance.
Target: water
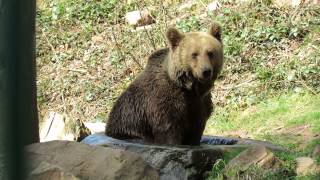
(215, 140)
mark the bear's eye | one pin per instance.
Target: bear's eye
(210, 54)
(194, 55)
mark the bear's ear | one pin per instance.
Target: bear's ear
(174, 37)
(215, 31)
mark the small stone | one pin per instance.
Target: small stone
(295, 3)
(305, 166)
(97, 39)
(292, 3)
(270, 162)
(248, 157)
(80, 131)
(256, 155)
(53, 127)
(213, 6)
(97, 127)
(291, 76)
(316, 151)
(139, 18)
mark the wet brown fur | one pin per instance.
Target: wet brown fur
(168, 103)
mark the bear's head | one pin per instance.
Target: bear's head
(195, 57)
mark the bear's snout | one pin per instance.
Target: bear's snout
(206, 74)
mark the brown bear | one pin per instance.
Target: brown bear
(170, 101)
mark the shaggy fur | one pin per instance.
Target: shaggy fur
(170, 101)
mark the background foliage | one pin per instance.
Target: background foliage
(269, 88)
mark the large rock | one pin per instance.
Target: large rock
(139, 18)
(56, 127)
(214, 5)
(78, 160)
(179, 162)
(254, 156)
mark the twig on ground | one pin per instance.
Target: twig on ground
(121, 52)
(303, 83)
(45, 36)
(78, 70)
(145, 30)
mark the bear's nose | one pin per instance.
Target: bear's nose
(206, 74)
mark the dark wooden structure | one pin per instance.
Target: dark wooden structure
(18, 106)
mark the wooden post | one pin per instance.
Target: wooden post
(18, 106)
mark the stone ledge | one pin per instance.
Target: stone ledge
(180, 162)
